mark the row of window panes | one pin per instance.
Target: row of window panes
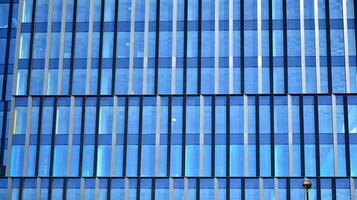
(148, 129)
(166, 9)
(326, 166)
(339, 189)
(207, 44)
(149, 108)
(164, 82)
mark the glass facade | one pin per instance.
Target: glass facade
(178, 99)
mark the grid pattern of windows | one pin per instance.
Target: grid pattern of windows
(178, 99)
(8, 25)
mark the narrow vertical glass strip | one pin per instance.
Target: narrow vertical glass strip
(346, 46)
(334, 134)
(146, 45)
(216, 46)
(317, 45)
(48, 47)
(90, 46)
(62, 44)
(132, 40)
(173, 60)
(302, 43)
(259, 30)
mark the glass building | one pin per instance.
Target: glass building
(178, 99)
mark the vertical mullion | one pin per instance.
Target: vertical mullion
(272, 139)
(317, 145)
(29, 67)
(101, 38)
(169, 136)
(90, 46)
(48, 46)
(53, 141)
(115, 46)
(302, 47)
(81, 154)
(213, 147)
(157, 45)
(347, 136)
(73, 45)
(257, 134)
(199, 47)
(302, 133)
(6, 63)
(61, 47)
(125, 135)
(140, 143)
(70, 135)
(271, 63)
(27, 135)
(346, 45)
(288, 189)
(21, 188)
(328, 46)
(183, 150)
(228, 133)
(96, 136)
(242, 46)
(64, 196)
(185, 48)
(131, 50)
(333, 188)
(317, 140)
(317, 45)
(114, 136)
(38, 145)
(216, 46)
(285, 37)
(260, 50)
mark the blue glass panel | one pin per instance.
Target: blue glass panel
(192, 163)
(104, 160)
(17, 160)
(44, 160)
(148, 160)
(132, 160)
(60, 160)
(88, 158)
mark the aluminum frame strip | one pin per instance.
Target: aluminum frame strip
(146, 45)
(216, 46)
(174, 38)
(345, 36)
(302, 46)
(259, 35)
(132, 41)
(317, 46)
(90, 46)
(48, 46)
